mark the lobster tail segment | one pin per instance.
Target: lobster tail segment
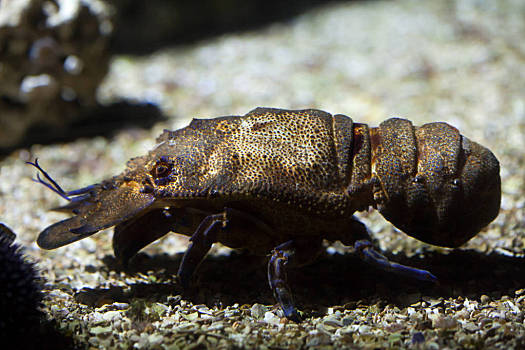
(433, 183)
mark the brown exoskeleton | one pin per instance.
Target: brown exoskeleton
(281, 181)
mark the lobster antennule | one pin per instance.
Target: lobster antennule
(52, 185)
(55, 187)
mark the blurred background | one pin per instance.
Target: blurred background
(72, 68)
(87, 84)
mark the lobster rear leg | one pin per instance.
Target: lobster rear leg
(366, 251)
(360, 239)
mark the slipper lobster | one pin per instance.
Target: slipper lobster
(280, 181)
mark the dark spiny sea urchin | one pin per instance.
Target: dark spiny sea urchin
(21, 320)
(20, 289)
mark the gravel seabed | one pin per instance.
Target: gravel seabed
(461, 61)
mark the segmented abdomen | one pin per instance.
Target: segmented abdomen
(429, 181)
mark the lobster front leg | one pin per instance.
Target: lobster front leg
(132, 235)
(293, 253)
(366, 251)
(200, 243)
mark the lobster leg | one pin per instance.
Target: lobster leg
(366, 251)
(233, 221)
(129, 236)
(200, 243)
(293, 253)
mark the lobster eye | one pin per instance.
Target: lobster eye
(161, 169)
